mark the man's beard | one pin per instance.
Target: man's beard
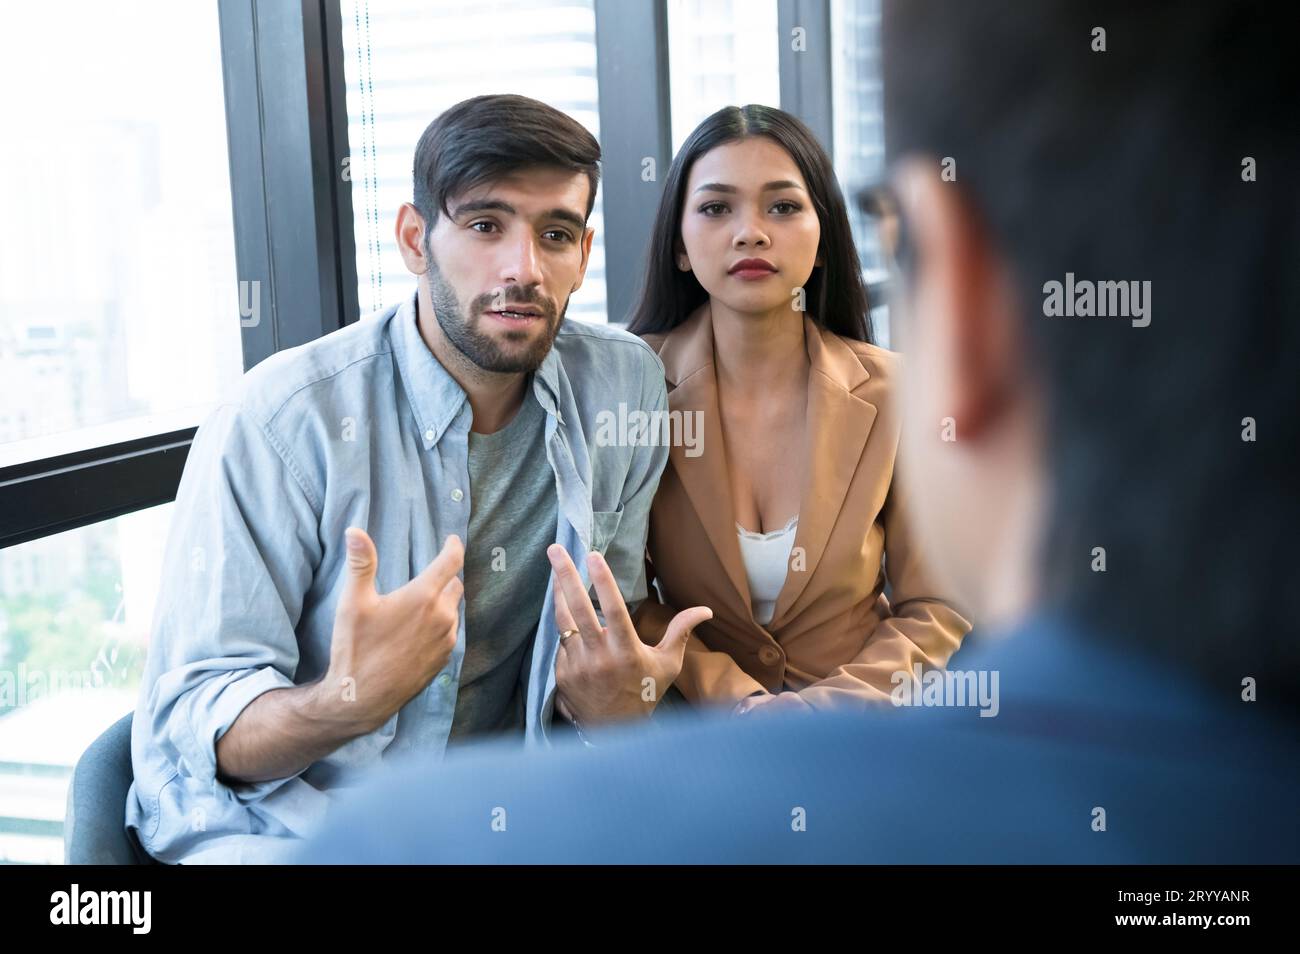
(478, 346)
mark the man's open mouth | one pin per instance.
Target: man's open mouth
(521, 316)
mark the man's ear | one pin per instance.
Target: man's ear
(960, 290)
(410, 238)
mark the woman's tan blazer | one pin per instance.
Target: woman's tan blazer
(834, 637)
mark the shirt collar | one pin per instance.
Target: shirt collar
(436, 398)
(546, 382)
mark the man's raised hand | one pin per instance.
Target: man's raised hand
(606, 673)
(388, 647)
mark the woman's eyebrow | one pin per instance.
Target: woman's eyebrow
(776, 184)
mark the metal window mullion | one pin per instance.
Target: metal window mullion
(635, 125)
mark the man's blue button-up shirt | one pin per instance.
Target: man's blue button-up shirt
(362, 427)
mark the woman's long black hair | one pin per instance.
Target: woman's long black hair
(835, 293)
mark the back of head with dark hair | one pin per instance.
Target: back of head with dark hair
(488, 137)
(1129, 164)
(836, 293)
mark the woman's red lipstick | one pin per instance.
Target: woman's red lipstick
(752, 269)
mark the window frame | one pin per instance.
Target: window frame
(635, 124)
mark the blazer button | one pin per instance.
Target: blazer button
(769, 656)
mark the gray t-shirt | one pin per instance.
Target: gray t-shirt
(511, 523)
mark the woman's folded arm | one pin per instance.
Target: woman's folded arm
(924, 628)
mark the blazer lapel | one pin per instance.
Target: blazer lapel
(688, 368)
(838, 424)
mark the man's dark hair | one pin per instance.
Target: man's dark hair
(488, 137)
(1132, 164)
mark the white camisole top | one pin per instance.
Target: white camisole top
(767, 560)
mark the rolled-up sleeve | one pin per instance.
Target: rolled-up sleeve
(240, 558)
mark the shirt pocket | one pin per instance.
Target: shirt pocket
(604, 527)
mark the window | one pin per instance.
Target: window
(75, 614)
(720, 53)
(118, 296)
(859, 136)
(119, 320)
(408, 60)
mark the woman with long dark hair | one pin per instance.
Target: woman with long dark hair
(782, 514)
